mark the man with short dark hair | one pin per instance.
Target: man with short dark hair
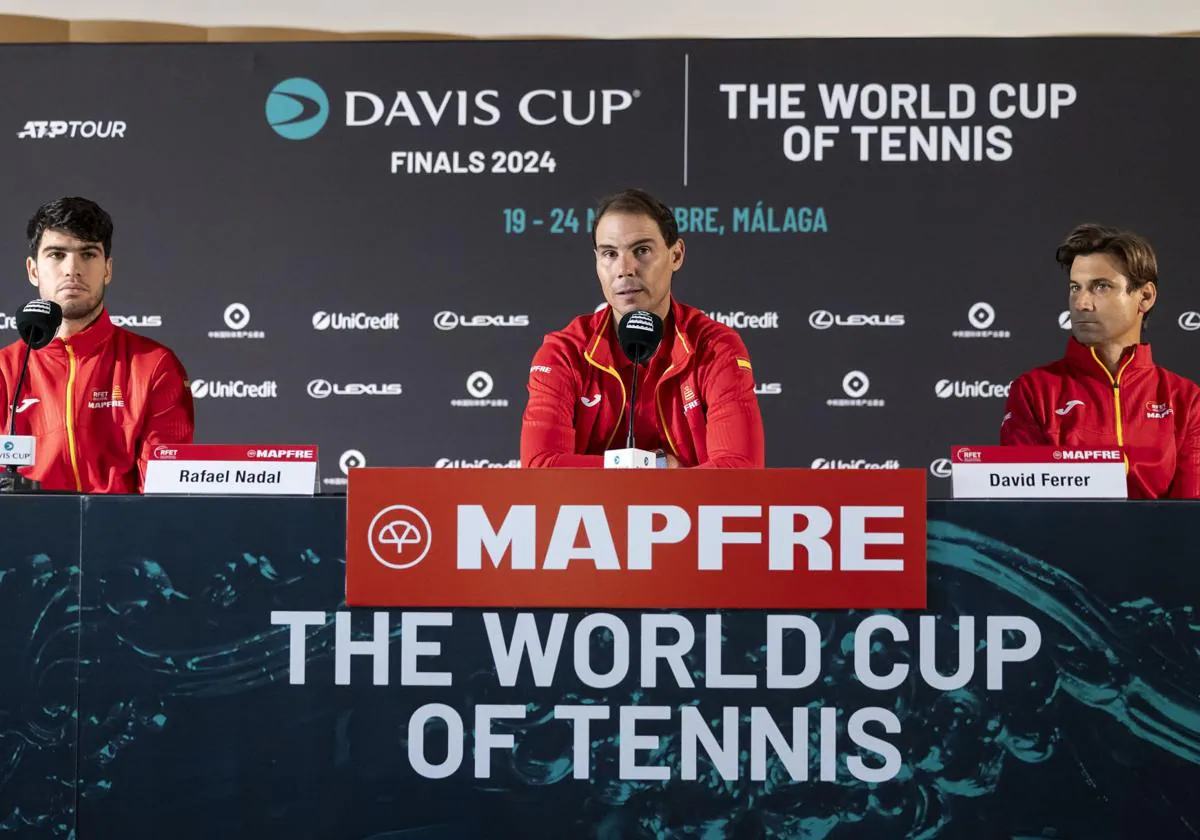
(98, 398)
(1107, 390)
(696, 402)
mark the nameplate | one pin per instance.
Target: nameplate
(630, 459)
(17, 450)
(232, 470)
(1037, 472)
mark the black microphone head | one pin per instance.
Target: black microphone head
(639, 333)
(38, 322)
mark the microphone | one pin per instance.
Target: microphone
(37, 324)
(639, 334)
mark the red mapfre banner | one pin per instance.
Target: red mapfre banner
(1032, 454)
(675, 539)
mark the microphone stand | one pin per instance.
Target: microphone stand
(632, 403)
(11, 481)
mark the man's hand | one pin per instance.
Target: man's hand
(673, 462)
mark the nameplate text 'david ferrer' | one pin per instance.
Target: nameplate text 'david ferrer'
(673, 539)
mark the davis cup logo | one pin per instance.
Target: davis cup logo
(399, 537)
(297, 108)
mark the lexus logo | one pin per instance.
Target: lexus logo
(1189, 320)
(822, 319)
(1064, 319)
(319, 389)
(445, 320)
(940, 468)
(855, 384)
(981, 315)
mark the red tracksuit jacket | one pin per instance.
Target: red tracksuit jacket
(696, 401)
(97, 403)
(1153, 413)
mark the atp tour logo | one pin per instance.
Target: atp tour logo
(399, 537)
(297, 108)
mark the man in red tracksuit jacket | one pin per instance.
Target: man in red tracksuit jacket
(1107, 389)
(98, 398)
(695, 398)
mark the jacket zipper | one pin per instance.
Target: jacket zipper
(662, 420)
(1116, 385)
(71, 416)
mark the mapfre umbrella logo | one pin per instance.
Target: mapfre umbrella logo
(400, 536)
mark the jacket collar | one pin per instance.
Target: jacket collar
(90, 339)
(603, 351)
(1083, 359)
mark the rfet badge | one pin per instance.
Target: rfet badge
(701, 539)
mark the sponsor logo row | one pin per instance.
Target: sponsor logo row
(980, 317)
(856, 386)
(354, 458)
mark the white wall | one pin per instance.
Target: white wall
(650, 18)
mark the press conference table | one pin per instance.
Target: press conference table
(148, 693)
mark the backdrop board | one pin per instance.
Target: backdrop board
(361, 245)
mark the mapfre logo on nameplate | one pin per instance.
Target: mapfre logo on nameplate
(676, 539)
(1037, 472)
(227, 470)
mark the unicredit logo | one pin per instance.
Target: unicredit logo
(355, 321)
(8, 322)
(979, 389)
(1189, 321)
(823, 319)
(478, 463)
(856, 464)
(746, 320)
(446, 320)
(235, 390)
(319, 389)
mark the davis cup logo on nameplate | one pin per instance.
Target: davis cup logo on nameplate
(400, 537)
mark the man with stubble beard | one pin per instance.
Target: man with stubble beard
(98, 398)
